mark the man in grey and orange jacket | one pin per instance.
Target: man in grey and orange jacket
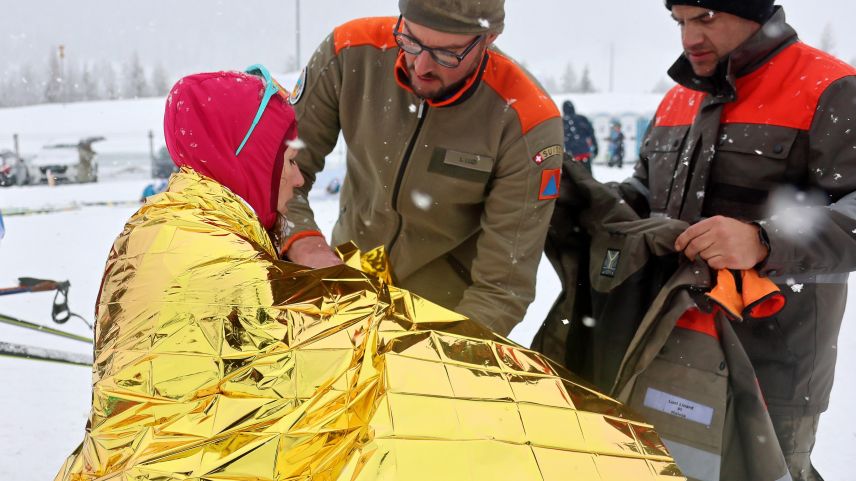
(756, 148)
(453, 161)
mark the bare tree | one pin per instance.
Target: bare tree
(570, 83)
(586, 85)
(72, 87)
(8, 88)
(53, 82)
(136, 85)
(89, 84)
(160, 80)
(108, 84)
(827, 39)
(32, 86)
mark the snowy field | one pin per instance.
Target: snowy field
(45, 405)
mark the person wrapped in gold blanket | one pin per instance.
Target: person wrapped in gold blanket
(214, 360)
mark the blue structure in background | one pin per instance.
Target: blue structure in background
(633, 125)
(2, 227)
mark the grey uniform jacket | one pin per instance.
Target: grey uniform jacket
(615, 325)
(771, 138)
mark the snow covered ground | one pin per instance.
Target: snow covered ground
(44, 405)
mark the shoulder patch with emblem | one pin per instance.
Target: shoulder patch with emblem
(550, 180)
(545, 154)
(299, 87)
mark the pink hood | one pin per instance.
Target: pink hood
(208, 115)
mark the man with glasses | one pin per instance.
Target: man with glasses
(453, 155)
(756, 148)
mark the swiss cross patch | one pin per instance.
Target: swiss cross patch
(550, 184)
(545, 154)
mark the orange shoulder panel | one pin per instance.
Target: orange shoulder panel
(679, 107)
(785, 92)
(372, 31)
(532, 105)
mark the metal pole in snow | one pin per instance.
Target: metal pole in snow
(34, 353)
(297, 20)
(62, 88)
(611, 65)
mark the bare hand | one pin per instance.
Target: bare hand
(312, 252)
(724, 243)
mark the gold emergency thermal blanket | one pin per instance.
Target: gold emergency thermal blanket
(216, 361)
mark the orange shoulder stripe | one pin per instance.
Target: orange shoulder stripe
(372, 31)
(786, 91)
(533, 105)
(679, 107)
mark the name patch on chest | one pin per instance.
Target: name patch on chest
(468, 161)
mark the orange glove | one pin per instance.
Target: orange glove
(752, 296)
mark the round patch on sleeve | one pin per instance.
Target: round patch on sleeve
(299, 87)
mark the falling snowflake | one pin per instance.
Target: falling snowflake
(412, 108)
(421, 200)
(565, 322)
(485, 23)
(296, 144)
(589, 321)
(797, 288)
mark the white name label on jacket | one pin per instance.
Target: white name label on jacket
(678, 406)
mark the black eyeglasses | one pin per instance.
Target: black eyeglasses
(443, 57)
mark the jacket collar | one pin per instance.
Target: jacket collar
(402, 77)
(773, 37)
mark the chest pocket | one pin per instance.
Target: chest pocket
(751, 161)
(464, 174)
(662, 148)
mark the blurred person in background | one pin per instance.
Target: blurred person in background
(580, 141)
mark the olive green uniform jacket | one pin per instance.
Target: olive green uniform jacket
(460, 191)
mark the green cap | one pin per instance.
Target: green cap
(466, 17)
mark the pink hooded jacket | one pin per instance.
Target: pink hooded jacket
(207, 116)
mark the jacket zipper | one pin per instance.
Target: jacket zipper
(396, 191)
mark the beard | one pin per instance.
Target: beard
(441, 91)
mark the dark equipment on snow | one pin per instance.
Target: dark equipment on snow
(60, 312)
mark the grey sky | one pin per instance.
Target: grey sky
(195, 35)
